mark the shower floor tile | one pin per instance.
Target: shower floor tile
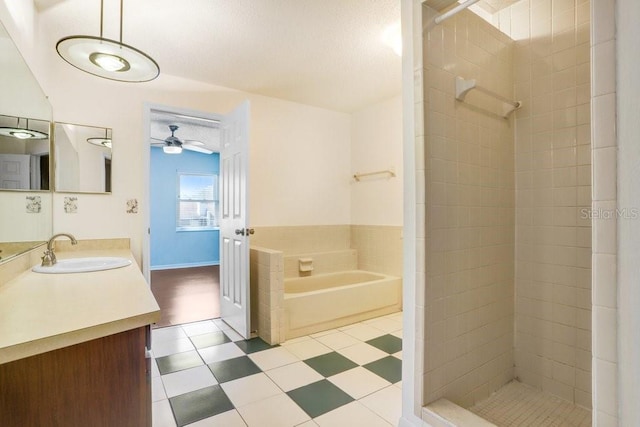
(303, 382)
(518, 404)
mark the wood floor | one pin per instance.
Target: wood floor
(186, 294)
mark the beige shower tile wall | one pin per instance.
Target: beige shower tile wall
(379, 248)
(303, 239)
(608, 224)
(470, 210)
(553, 195)
(266, 270)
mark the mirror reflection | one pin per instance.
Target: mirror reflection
(24, 154)
(82, 158)
(25, 209)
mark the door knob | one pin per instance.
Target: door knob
(244, 231)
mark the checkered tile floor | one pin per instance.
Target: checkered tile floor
(206, 375)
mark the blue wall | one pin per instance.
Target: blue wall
(171, 248)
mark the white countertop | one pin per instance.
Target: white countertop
(45, 312)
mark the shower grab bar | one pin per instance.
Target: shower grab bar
(463, 86)
(357, 175)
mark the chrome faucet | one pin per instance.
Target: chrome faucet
(49, 257)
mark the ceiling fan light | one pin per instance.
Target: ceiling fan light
(172, 149)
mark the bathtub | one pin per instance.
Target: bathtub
(326, 301)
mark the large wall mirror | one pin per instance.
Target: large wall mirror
(25, 196)
(82, 158)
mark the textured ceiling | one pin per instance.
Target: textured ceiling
(326, 53)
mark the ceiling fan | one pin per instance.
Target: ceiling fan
(174, 145)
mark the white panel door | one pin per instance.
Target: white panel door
(14, 171)
(234, 228)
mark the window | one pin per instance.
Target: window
(197, 202)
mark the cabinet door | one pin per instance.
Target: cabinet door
(103, 382)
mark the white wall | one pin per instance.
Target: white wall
(376, 144)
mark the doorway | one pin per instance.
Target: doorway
(184, 166)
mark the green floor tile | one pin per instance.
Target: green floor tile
(232, 369)
(387, 343)
(330, 364)
(200, 404)
(210, 339)
(253, 345)
(178, 362)
(319, 398)
(389, 368)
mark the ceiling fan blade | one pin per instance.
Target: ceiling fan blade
(192, 142)
(195, 148)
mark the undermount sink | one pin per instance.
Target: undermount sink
(83, 265)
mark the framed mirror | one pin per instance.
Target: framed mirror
(25, 116)
(82, 158)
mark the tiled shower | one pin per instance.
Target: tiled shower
(508, 202)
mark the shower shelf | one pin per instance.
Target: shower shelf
(463, 86)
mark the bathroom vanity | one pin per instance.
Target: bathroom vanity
(73, 347)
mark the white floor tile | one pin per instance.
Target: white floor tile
(359, 382)
(292, 376)
(226, 419)
(363, 332)
(353, 414)
(296, 340)
(276, 411)
(188, 380)
(165, 348)
(309, 423)
(323, 333)
(398, 385)
(337, 340)
(308, 349)
(157, 390)
(273, 358)
(199, 328)
(233, 335)
(398, 355)
(387, 403)
(385, 324)
(162, 415)
(362, 353)
(155, 372)
(221, 324)
(220, 352)
(397, 334)
(167, 334)
(250, 389)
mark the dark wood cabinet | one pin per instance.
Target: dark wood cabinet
(103, 382)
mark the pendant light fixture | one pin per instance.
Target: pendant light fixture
(108, 58)
(22, 132)
(102, 142)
